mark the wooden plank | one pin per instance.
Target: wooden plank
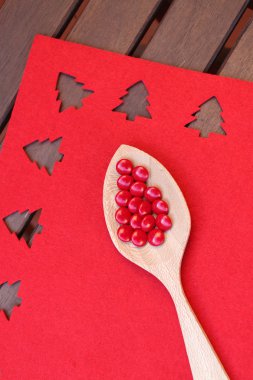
(19, 22)
(240, 62)
(113, 25)
(190, 35)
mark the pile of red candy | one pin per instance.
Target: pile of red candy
(142, 214)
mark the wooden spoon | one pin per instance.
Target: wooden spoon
(164, 261)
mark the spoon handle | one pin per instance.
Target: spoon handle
(204, 362)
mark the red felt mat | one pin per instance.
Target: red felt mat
(88, 313)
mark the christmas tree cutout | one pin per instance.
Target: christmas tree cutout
(135, 102)
(208, 119)
(25, 225)
(70, 92)
(9, 298)
(45, 153)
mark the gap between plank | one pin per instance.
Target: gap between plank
(232, 40)
(149, 29)
(72, 19)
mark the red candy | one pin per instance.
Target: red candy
(156, 237)
(124, 166)
(124, 182)
(147, 223)
(122, 198)
(139, 238)
(138, 205)
(163, 222)
(145, 208)
(160, 207)
(135, 221)
(125, 233)
(140, 174)
(152, 193)
(133, 205)
(123, 215)
(137, 189)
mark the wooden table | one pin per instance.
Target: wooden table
(185, 33)
(206, 35)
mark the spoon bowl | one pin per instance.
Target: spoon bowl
(173, 248)
(164, 261)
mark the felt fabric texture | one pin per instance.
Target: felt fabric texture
(88, 313)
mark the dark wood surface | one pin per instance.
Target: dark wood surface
(191, 34)
(240, 62)
(19, 22)
(113, 25)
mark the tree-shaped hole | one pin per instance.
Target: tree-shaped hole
(208, 118)
(70, 92)
(24, 224)
(9, 297)
(45, 153)
(135, 102)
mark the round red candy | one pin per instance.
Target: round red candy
(139, 238)
(135, 221)
(133, 205)
(152, 193)
(123, 215)
(122, 198)
(124, 166)
(163, 222)
(125, 233)
(140, 174)
(124, 182)
(156, 237)
(160, 207)
(145, 208)
(137, 189)
(147, 223)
